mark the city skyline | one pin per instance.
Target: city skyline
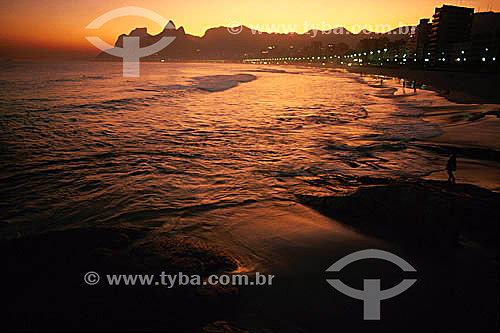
(56, 30)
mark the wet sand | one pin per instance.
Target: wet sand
(455, 290)
(297, 244)
(471, 130)
(476, 138)
(485, 174)
(459, 87)
(264, 236)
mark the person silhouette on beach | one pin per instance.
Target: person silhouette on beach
(404, 86)
(415, 86)
(451, 167)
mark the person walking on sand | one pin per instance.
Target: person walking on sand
(415, 86)
(404, 86)
(451, 167)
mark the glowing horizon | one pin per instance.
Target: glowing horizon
(60, 25)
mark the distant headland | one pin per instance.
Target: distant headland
(239, 43)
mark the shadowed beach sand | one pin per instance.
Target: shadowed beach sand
(456, 288)
(459, 87)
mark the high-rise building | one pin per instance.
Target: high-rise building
(451, 25)
(485, 39)
(411, 47)
(422, 38)
(316, 48)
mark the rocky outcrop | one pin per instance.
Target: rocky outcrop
(183, 46)
(48, 271)
(222, 327)
(418, 213)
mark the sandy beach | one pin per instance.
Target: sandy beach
(477, 141)
(456, 287)
(470, 129)
(459, 87)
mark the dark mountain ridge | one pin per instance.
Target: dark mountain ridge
(241, 42)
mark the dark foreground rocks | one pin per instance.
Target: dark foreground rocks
(43, 282)
(418, 213)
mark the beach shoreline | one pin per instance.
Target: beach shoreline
(460, 87)
(475, 142)
(457, 87)
(470, 128)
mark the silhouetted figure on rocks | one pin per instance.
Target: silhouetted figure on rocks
(415, 86)
(451, 167)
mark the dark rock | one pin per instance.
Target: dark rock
(418, 213)
(221, 327)
(45, 282)
(180, 254)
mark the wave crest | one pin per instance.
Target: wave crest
(213, 83)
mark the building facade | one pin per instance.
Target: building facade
(485, 40)
(422, 39)
(451, 28)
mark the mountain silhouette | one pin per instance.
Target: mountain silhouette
(220, 43)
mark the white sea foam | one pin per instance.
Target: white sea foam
(213, 83)
(272, 70)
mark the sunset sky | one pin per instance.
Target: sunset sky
(48, 26)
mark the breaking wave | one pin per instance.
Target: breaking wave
(213, 83)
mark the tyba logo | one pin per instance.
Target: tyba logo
(131, 52)
(371, 295)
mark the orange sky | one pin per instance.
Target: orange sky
(50, 25)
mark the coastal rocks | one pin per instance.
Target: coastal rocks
(425, 214)
(221, 327)
(45, 283)
(180, 255)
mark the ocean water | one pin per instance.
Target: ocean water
(81, 145)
